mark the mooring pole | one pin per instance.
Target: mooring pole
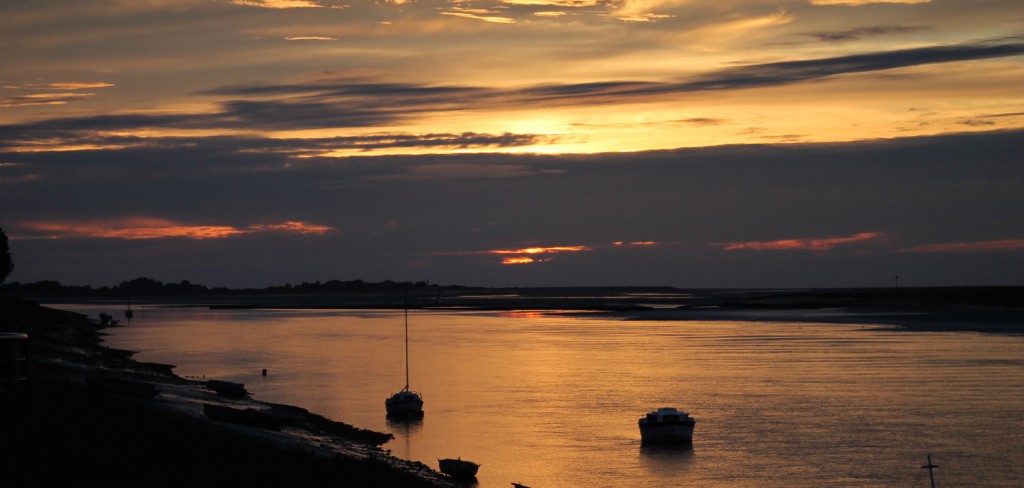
(930, 467)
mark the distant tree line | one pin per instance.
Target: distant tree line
(149, 286)
(6, 263)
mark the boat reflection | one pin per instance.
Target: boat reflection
(674, 451)
(405, 425)
(666, 461)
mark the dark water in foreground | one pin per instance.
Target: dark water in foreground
(552, 401)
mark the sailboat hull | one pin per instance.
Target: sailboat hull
(404, 404)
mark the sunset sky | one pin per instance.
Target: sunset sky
(692, 143)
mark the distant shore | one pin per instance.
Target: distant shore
(978, 309)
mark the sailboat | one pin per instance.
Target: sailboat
(406, 403)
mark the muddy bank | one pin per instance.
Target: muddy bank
(89, 414)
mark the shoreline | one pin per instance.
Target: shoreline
(974, 319)
(89, 412)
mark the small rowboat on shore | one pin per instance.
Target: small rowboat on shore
(459, 468)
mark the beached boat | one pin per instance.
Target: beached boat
(667, 425)
(228, 389)
(458, 468)
(405, 403)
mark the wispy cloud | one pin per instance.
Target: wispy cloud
(542, 254)
(41, 99)
(861, 32)
(985, 120)
(54, 93)
(963, 247)
(462, 171)
(800, 244)
(354, 103)
(645, 10)
(555, 3)
(311, 38)
(153, 228)
(525, 255)
(855, 3)
(635, 243)
(479, 14)
(779, 73)
(540, 250)
(79, 85)
(278, 4)
(797, 71)
(72, 134)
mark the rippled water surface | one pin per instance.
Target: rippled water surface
(552, 401)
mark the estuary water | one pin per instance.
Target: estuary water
(552, 400)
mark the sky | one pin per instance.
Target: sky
(687, 143)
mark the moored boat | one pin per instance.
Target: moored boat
(667, 425)
(458, 468)
(406, 403)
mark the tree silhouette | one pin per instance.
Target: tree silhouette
(6, 263)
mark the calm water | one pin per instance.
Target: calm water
(552, 401)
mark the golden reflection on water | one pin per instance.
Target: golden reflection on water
(552, 401)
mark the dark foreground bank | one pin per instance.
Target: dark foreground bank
(143, 426)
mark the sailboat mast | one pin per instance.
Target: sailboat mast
(407, 345)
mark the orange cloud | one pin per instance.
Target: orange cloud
(950, 247)
(150, 228)
(635, 243)
(522, 260)
(855, 3)
(80, 85)
(818, 244)
(279, 4)
(540, 250)
(311, 38)
(294, 227)
(523, 255)
(480, 14)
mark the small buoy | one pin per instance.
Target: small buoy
(264, 371)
